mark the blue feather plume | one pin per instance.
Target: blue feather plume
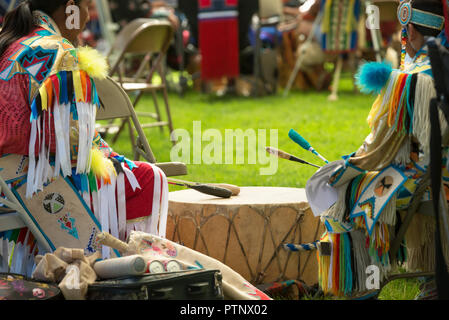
(373, 76)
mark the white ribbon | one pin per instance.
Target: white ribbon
(129, 228)
(17, 259)
(48, 171)
(31, 263)
(38, 173)
(82, 137)
(113, 223)
(61, 143)
(91, 134)
(25, 255)
(86, 124)
(104, 218)
(4, 256)
(155, 212)
(96, 205)
(57, 168)
(32, 160)
(164, 206)
(66, 134)
(121, 203)
(131, 178)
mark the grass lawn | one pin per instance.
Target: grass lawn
(333, 128)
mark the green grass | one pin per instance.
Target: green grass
(406, 289)
(333, 128)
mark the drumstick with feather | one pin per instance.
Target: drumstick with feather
(284, 155)
(204, 188)
(233, 188)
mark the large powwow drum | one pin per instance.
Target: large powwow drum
(247, 232)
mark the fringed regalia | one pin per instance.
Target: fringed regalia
(52, 83)
(339, 28)
(374, 185)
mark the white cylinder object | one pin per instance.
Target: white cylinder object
(120, 267)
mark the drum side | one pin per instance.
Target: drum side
(249, 238)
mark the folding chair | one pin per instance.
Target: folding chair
(151, 38)
(9, 216)
(116, 104)
(57, 216)
(12, 213)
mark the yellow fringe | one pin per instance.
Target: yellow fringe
(377, 111)
(326, 18)
(324, 263)
(78, 86)
(44, 97)
(350, 21)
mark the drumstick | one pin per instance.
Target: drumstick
(108, 240)
(206, 189)
(296, 137)
(284, 155)
(233, 188)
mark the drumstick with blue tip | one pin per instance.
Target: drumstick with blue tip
(303, 143)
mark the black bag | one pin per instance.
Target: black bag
(183, 285)
(18, 287)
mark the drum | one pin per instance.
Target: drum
(247, 232)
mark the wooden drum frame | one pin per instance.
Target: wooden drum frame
(247, 232)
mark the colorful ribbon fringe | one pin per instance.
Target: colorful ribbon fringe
(62, 98)
(335, 273)
(396, 101)
(339, 26)
(18, 249)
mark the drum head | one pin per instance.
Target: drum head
(18, 287)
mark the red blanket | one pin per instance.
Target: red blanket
(218, 38)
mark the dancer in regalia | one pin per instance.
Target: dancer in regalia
(367, 190)
(48, 103)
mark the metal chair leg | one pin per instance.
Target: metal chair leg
(156, 107)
